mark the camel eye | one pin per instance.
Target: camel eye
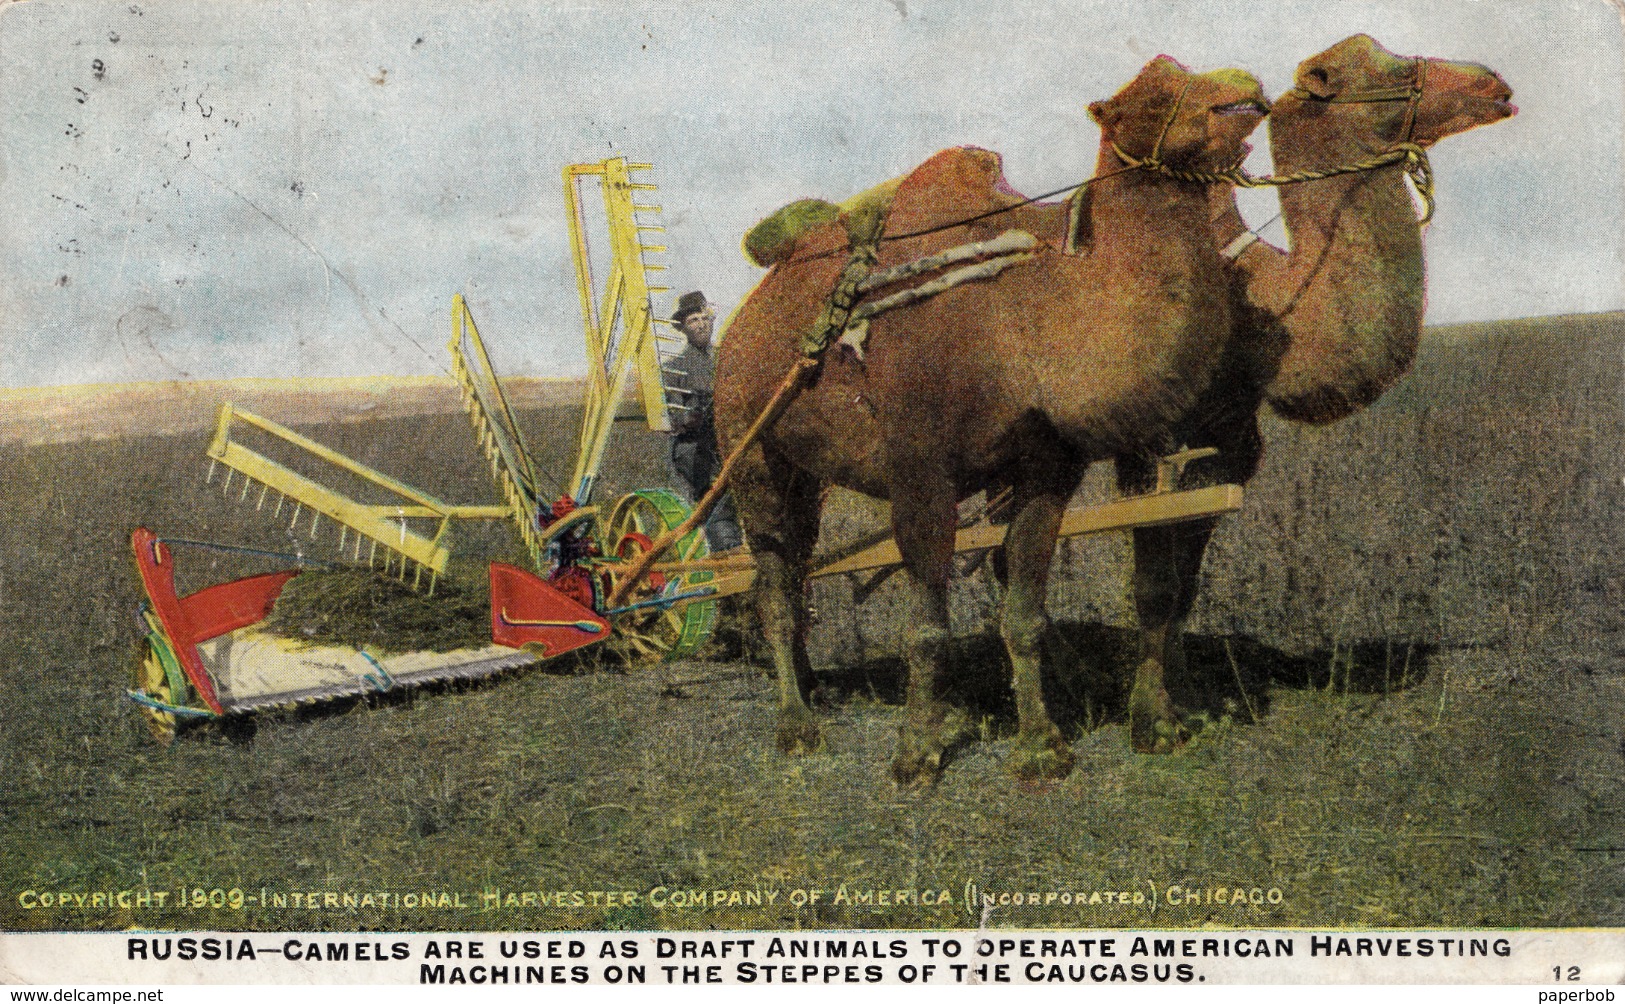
(1320, 75)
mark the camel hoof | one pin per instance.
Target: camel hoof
(918, 764)
(1153, 724)
(799, 736)
(1157, 734)
(1042, 756)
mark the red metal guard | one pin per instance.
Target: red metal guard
(207, 613)
(528, 613)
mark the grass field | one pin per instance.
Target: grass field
(1408, 654)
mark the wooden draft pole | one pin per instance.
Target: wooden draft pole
(798, 377)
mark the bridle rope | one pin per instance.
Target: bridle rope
(1153, 162)
(1407, 152)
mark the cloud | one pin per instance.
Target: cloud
(298, 189)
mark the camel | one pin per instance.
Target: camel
(1321, 331)
(1023, 381)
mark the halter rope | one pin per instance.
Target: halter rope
(1412, 156)
(1154, 163)
(1415, 159)
(1406, 151)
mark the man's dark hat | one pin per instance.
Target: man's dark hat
(689, 303)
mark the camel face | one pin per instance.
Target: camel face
(1362, 83)
(1459, 97)
(1188, 120)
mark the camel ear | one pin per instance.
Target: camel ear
(1317, 81)
(1103, 113)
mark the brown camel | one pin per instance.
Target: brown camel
(1023, 380)
(1320, 332)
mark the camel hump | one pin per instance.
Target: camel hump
(955, 184)
(775, 237)
(771, 241)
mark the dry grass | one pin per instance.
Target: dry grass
(361, 608)
(1406, 659)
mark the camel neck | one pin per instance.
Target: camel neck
(1350, 292)
(1130, 207)
(1350, 214)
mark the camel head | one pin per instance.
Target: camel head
(1184, 119)
(1359, 88)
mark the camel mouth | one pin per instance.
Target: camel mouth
(1246, 107)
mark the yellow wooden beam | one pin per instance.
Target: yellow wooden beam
(370, 521)
(385, 524)
(228, 415)
(735, 573)
(1123, 514)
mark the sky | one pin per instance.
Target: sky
(277, 189)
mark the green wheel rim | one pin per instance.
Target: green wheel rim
(660, 634)
(158, 675)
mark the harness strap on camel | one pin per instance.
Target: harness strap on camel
(841, 302)
(1410, 92)
(863, 230)
(1406, 151)
(1020, 242)
(843, 319)
(969, 273)
(1009, 241)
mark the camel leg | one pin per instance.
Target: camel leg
(923, 521)
(780, 508)
(1167, 571)
(1153, 724)
(1029, 546)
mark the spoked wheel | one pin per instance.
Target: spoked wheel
(657, 632)
(158, 676)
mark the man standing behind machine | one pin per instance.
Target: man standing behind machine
(690, 383)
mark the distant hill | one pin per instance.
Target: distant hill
(1526, 358)
(34, 415)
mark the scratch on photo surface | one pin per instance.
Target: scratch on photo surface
(328, 268)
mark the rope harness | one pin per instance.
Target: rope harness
(1409, 92)
(1153, 162)
(1412, 156)
(1406, 152)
